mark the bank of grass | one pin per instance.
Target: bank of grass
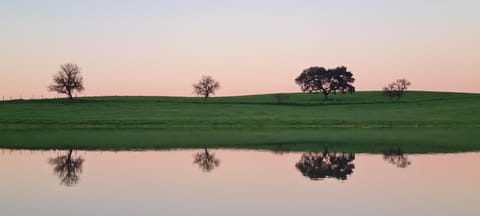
(410, 140)
(422, 122)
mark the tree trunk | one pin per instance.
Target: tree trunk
(69, 157)
(325, 93)
(70, 95)
(205, 99)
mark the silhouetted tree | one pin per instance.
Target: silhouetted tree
(319, 79)
(67, 80)
(206, 86)
(396, 89)
(318, 166)
(206, 160)
(396, 157)
(67, 168)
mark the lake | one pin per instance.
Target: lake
(237, 182)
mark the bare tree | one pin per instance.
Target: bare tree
(206, 160)
(67, 168)
(397, 157)
(67, 80)
(396, 89)
(206, 86)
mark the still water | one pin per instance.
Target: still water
(235, 182)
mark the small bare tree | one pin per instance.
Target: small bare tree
(396, 157)
(206, 86)
(206, 160)
(396, 89)
(67, 80)
(67, 168)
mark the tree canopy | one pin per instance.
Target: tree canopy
(326, 81)
(318, 166)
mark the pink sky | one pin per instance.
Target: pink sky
(163, 48)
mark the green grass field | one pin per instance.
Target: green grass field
(362, 122)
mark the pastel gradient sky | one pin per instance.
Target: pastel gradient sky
(162, 47)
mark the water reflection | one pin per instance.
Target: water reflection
(67, 168)
(280, 149)
(317, 166)
(397, 157)
(206, 160)
(248, 183)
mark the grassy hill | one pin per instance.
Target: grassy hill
(362, 122)
(362, 109)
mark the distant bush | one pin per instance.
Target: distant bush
(396, 89)
(281, 98)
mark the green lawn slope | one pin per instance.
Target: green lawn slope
(359, 110)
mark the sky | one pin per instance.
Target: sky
(251, 47)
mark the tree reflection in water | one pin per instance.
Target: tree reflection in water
(67, 168)
(396, 157)
(280, 149)
(206, 160)
(317, 166)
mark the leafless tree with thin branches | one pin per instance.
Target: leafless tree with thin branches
(67, 80)
(396, 89)
(206, 86)
(67, 168)
(206, 160)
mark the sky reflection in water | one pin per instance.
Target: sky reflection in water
(226, 182)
